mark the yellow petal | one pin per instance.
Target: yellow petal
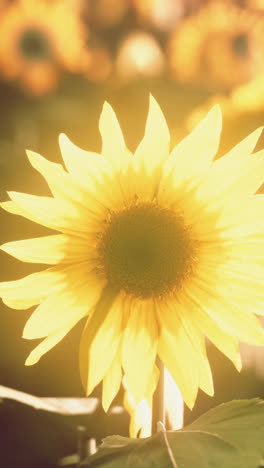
(46, 345)
(134, 186)
(177, 354)
(242, 149)
(112, 381)
(78, 294)
(205, 376)
(63, 185)
(140, 413)
(87, 167)
(248, 181)
(139, 348)
(227, 344)
(241, 180)
(52, 172)
(177, 320)
(49, 249)
(140, 416)
(20, 304)
(100, 339)
(228, 226)
(154, 147)
(10, 207)
(209, 186)
(32, 289)
(229, 317)
(195, 152)
(55, 214)
(242, 219)
(113, 143)
(193, 331)
(249, 247)
(94, 173)
(173, 403)
(231, 276)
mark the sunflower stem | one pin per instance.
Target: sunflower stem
(158, 406)
(82, 444)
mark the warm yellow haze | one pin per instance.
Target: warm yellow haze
(156, 249)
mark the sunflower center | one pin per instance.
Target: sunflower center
(146, 250)
(240, 45)
(34, 44)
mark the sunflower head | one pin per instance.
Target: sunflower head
(39, 36)
(34, 44)
(157, 250)
(220, 37)
(146, 250)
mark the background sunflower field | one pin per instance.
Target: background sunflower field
(59, 61)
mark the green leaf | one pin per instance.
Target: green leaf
(230, 436)
(241, 423)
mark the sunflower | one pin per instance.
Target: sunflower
(37, 39)
(156, 249)
(242, 110)
(107, 13)
(220, 37)
(162, 14)
(139, 54)
(249, 97)
(255, 4)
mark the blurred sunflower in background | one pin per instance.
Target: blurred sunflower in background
(38, 40)
(256, 4)
(139, 55)
(219, 47)
(160, 14)
(242, 110)
(104, 14)
(152, 249)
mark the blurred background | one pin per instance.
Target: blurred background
(59, 61)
